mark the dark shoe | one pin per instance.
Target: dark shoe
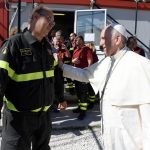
(90, 106)
(77, 110)
(82, 115)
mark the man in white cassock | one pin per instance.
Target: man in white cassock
(125, 88)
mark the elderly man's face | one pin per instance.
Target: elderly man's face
(108, 42)
(44, 23)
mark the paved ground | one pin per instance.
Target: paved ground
(71, 134)
(76, 139)
(68, 119)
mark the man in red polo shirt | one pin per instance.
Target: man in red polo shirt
(132, 44)
(82, 57)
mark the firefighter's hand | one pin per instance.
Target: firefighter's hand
(62, 106)
(76, 61)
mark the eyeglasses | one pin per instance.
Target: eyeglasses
(49, 19)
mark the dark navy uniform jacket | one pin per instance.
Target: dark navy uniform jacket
(26, 73)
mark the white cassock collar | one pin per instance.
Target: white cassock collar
(120, 53)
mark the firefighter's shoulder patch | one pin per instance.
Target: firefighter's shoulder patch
(4, 50)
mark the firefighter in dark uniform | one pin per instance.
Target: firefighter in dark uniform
(91, 93)
(61, 51)
(82, 57)
(26, 85)
(71, 46)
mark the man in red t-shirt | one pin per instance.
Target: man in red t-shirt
(132, 44)
(91, 93)
(62, 52)
(82, 57)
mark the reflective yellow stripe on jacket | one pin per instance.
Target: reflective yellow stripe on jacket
(24, 77)
(55, 63)
(71, 49)
(5, 65)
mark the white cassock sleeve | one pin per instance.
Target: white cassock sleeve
(95, 74)
(75, 73)
(145, 119)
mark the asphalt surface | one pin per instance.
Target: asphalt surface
(76, 139)
(69, 133)
(67, 119)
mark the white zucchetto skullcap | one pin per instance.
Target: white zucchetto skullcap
(120, 28)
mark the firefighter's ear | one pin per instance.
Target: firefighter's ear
(35, 16)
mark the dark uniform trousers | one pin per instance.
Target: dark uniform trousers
(23, 128)
(82, 94)
(91, 93)
(59, 84)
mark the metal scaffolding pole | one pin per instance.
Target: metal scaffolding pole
(19, 15)
(136, 16)
(32, 3)
(92, 3)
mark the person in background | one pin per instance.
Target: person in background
(92, 47)
(59, 33)
(61, 50)
(51, 35)
(71, 45)
(25, 26)
(27, 86)
(82, 57)
(91, 93)
(132, 44)
(13, 31)
(125, 96)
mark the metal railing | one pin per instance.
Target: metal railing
(114, 21)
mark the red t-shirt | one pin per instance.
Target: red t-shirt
(95, 58)
(61, 53)
(140, 51)
(83, 54)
